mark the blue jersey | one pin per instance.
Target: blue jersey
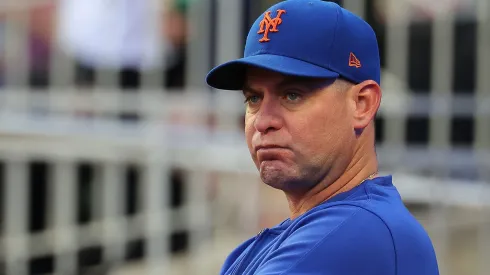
(365, 231)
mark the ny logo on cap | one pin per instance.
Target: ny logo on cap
(354, 61)
(269, 24)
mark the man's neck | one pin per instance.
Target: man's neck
(362, 167)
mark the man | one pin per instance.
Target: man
(113, 35)
(310, 76)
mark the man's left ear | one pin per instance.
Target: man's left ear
(367, 97)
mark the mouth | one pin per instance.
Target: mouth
(268, 147)
(270, 152)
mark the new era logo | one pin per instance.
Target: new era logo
(354, 61)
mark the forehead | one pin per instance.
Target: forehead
(262, 77)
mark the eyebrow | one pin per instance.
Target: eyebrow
(247, 89)
(311, 84)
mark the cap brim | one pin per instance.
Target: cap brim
(231, 75)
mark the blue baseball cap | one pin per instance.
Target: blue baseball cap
(307, 38)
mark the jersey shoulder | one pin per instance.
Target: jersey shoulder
(342, 239)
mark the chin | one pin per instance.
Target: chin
(281, 178)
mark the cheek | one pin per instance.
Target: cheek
(248, 123)
(321, 132)
(249, 129)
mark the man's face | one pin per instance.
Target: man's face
(297, 129)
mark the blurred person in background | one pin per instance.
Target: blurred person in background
(2, 49)
(112, 35)
(40, 36)
(127, 37)
(35, 20)
(311, 80)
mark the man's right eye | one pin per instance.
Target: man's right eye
(252, 99)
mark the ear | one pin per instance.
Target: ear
(367, 98)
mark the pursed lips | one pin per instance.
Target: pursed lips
(270, 152)
(268, 147)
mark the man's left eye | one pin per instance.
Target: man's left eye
(292, 96)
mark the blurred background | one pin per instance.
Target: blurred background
(116, 158)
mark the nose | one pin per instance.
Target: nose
(268, 118)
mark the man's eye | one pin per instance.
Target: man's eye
(293, 96)
(252, 99)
